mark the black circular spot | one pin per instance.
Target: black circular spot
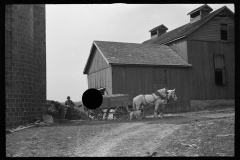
(92, 98)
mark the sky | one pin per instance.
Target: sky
(72, 28)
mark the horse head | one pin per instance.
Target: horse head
(172, 93)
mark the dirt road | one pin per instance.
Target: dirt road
(205, 133)
(129, 139)
(138, 138)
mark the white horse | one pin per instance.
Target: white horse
(160, 97)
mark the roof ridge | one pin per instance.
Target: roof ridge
(200, 23)
(131, 43)
(206, 18)
(115, 42)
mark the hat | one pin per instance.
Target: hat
(68, 97)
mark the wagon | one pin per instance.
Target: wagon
(117, 104)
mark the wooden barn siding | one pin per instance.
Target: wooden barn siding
(179, 79)
(211, 30)
(200, 55)
(180, 47)
(139, 80)
(98, 62)
(102, 78)
(99, 72)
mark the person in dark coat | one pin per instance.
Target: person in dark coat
(69, 107)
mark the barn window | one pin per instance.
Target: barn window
(219, 69)
(160, 76)
(195, 14)
(153, 33)
(224, 32)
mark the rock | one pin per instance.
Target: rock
(47, 118)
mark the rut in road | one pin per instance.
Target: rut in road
(129, 139)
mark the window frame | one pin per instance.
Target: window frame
(155, 33)
(222, 40)
(195, 14)
(223, 71)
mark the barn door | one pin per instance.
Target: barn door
(159, 78)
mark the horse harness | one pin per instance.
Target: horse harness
(160, 96)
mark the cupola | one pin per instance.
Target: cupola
(200, 12)
(158, 31)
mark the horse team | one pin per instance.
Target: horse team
(158, 99)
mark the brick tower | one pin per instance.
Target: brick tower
(25, 63)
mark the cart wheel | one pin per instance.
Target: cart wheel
(98, 114)
(121, 113)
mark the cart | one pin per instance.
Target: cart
(117, 104)
(120, 105)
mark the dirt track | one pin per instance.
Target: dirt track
(128, 139)
(138, 138)
(205, 133)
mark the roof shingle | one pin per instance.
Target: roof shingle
(141, 54)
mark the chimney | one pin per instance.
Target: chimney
(158, 31)
(200, 12)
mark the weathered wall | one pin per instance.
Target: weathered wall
(97, 62)
(101, 78)
(210, 31)
(200, 55)
(25, 62)
(142, 80)
(99, 74)
(180, 47)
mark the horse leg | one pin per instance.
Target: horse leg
(143, 113)
(156, 110)
(161, 111)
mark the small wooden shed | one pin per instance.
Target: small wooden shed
(131, 68)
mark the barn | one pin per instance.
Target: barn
(131, 68)
(207, 42)
(197, 59)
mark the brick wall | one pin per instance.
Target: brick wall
(25, 63)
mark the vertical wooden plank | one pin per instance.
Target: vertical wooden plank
(201, 57)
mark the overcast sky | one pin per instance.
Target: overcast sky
(71, 30)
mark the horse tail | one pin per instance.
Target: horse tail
(134, 105)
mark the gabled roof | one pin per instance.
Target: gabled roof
(160, 26)
(121, 53)
(201, 7)
(184, 30)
